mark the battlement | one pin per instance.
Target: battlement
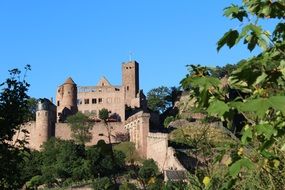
(136, 117)
(157, 135)
(86, 89)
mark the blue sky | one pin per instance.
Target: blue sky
(90, 38)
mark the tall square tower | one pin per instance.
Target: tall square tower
(130, 72)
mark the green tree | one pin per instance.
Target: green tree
(104, 116)
(31, 165)
(168, 120)
(254, 91)
(128, 186)
(103, 184)
(32, 108)
(63, 162)
(104, 161)
(80, 127)
(148, 171)
(129, 149)
(158, 99)
(13, 107)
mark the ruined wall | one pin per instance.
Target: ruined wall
(93, 99)
(99, 132)
(138, 127)
(172, 163)
(157, 144)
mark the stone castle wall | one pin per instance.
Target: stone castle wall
(157, 144)
(138, 127)
(109, 97)
(63, 131)
(99, 132)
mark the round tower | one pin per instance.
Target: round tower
(66, 99)
(42, 123)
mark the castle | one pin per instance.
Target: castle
(70, 99)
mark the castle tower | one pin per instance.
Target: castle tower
(45, 122)
(130, 72)
(66, 99)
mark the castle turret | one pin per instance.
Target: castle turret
(45, 121)
(66, 99)
(130, 72)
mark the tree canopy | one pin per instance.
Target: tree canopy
(80, 127)
(13, 109)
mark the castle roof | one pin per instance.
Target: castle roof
(69, 81)
(103, 82)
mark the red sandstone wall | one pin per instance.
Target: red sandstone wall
(157, 145)
(62, 130)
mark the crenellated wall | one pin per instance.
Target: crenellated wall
(157, 144)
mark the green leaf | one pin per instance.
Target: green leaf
(260, 105)
(252, 42)
(229, 38)
(205, 82)
(218, 108)
(246, 135)
(235, 168)
(282, 67)
(228, 11)
(266, 10)
(260, 79)
(235, 12)
(266, 130)
(266, 154)
(277, 103)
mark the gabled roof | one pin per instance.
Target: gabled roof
(69, 81)
(103, 82)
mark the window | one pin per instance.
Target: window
(100, 100)
(117, 89)
(94, 101)
(128, 88)
(58, 103)
(86, 101)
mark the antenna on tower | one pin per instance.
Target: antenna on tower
(130, 56)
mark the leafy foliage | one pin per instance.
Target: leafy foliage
(104, 114)
(103, 184)
(63, 161)
(13, 109)
(161, 98)
(129, 150)
(148, 170)
(80, 127)
(168, 120)
(254, 93)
